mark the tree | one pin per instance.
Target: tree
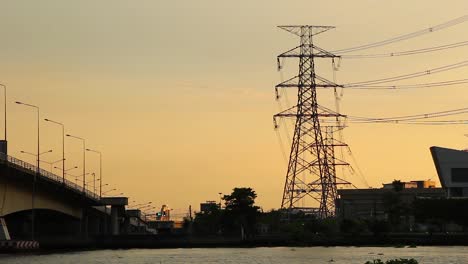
(240, 199)
(208, 223)
(398, 186)
(240, 210)
(394, 206)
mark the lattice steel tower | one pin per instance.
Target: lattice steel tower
(311, 174)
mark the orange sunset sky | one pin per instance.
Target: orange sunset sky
(179, 95)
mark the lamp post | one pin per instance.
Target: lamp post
(38, 168)
(93, 180)
(5, 110)
(51, 163)
(72, 168)
(143, 205)
(100, 169)
(84, 159)
(32, 154)
(35, 155)
(111, 190)
(63, 145)
(76, 167)
(78, 176)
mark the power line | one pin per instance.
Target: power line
(409, 86)
(359, 119)
(411, 75)
(404, 37)
(405, 53)
(433, 123)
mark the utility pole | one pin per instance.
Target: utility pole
(311, 175)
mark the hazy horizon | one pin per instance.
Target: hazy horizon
(179, 95)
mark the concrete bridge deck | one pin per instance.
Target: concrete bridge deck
(53, 205)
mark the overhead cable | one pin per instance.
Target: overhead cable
(411, 75)
(405, 53)
(408, 117)
(404, 37)
(409, 86)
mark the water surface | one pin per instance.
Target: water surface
(288, 255)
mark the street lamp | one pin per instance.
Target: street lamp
(63, 145)
(111, 190)
(38, 168)
(220, 199)
(141, 207)
(35, 155)
(51, 163)
(100, 168)
(32, 154)
(93, 180)
(5, 110)
(65, 170)
(141, 204)
(84, 159)
(76, 167)
(77, 176)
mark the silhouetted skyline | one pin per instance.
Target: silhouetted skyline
(179, 97)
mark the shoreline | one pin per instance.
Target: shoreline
(174, 242)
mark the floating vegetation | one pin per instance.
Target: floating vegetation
(393, 261)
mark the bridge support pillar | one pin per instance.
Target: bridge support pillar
(117, 205)
(115, 225)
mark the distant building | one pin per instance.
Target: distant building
(413, 184)
(136, 223)
(369, 203)
(208, 206)
(452, 168)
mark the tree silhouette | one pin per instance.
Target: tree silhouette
(240, 211)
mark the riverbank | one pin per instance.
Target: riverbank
(181, 241)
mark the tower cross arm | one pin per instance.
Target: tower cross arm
(300, 30)
(315, 52)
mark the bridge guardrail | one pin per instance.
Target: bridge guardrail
(46, 174)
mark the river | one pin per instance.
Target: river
(287, 255)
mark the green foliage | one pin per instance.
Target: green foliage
(379, 227)
(394, 205)
(439, 211)
(240, 212)
(375, 261)
(208, 222)
(393, 261)
(240, 199)
(397, 185)
(272, 219)
(353, 226)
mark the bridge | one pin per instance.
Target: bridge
(35, 203)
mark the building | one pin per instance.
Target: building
(452, 168)
(369, 203)
(209, 206)
(413, 184)
(136, 223)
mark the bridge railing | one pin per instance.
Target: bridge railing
(14, 162)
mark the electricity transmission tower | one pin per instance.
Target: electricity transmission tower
(311, 174)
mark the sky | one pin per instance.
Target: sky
(179, 95)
